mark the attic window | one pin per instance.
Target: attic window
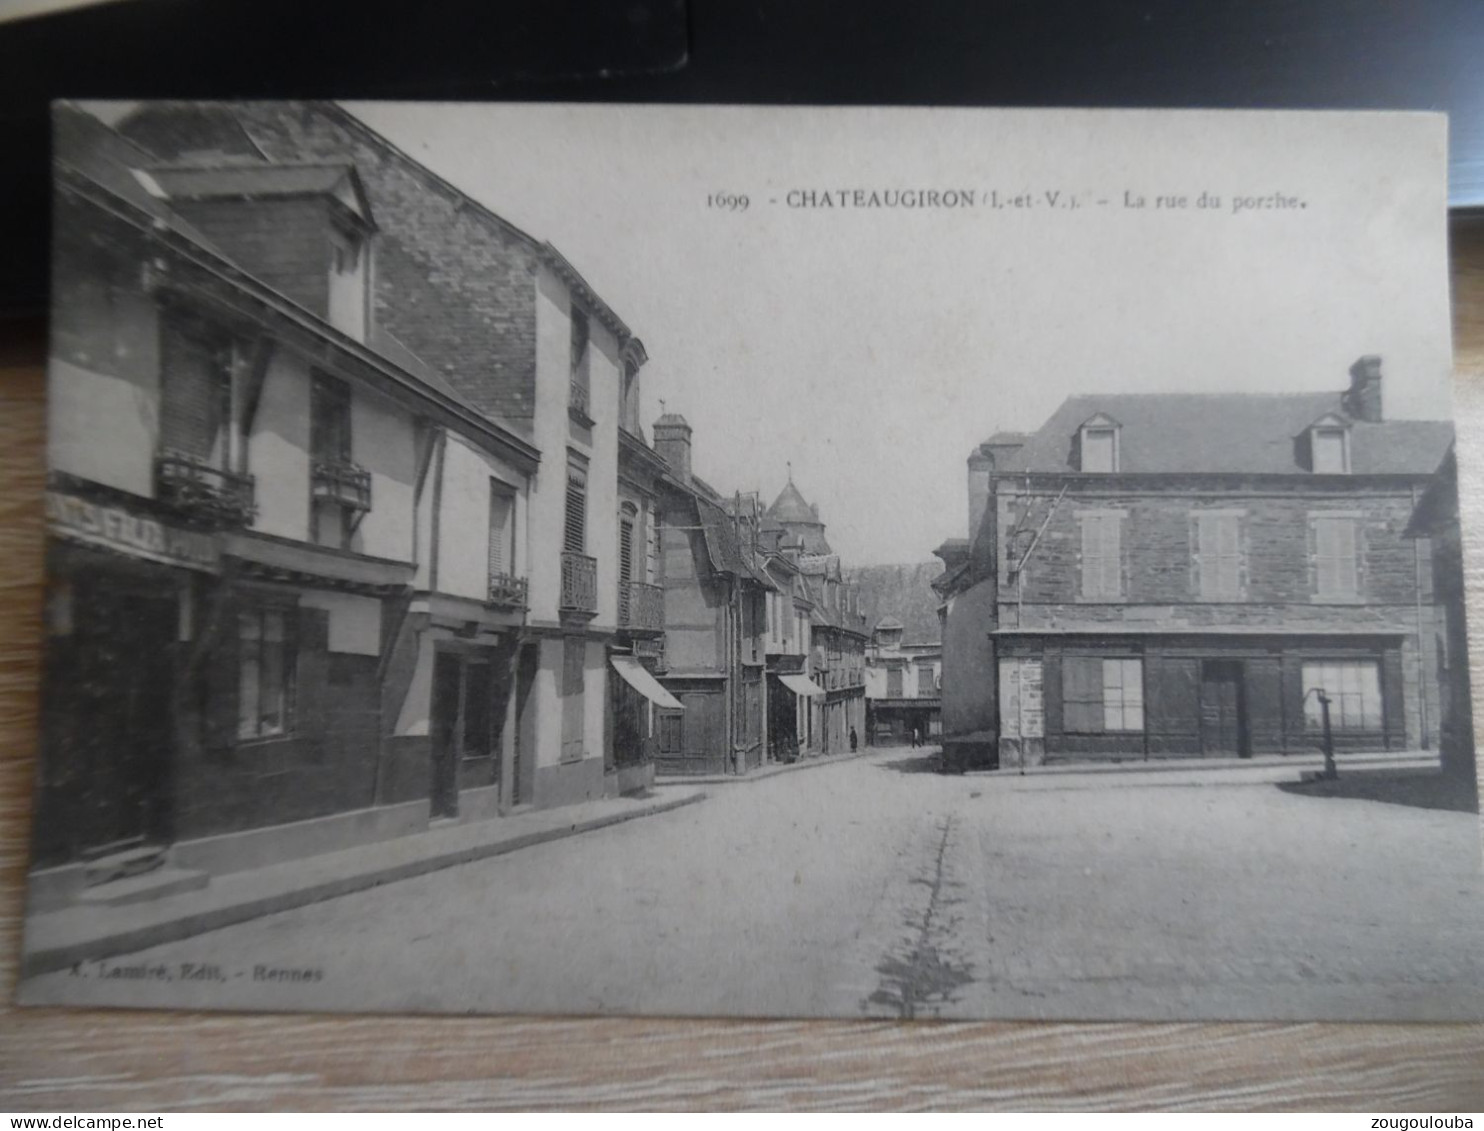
(1099, 448)
(1331, 446)
(347, 252)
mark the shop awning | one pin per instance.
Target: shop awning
(801, 685)
(645, 684)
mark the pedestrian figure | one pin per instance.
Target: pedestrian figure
(853, 740)
(916, 735)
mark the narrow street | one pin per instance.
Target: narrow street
(876, 888)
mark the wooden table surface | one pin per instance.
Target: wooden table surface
(86, 1060)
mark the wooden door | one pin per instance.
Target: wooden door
(1223, 724)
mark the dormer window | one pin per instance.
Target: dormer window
(1331, 451)
(1098, 446)
(349, 294)
(1329, 446)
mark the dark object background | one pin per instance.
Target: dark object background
(1400, 54)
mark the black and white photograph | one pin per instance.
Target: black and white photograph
(753, 562)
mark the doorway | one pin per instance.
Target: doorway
(1223, 710)
(463, 724)
(109, 720)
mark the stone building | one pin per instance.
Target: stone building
(253, 487)
(902, 692)
(1172, 575)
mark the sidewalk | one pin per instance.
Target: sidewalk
(1308, 760)
(57, 939)
(767, 770)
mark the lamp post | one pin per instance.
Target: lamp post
(1330, 770)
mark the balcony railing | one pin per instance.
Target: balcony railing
(343, 483)
(507, 592)
(641, 607)
(203, 494)
(579, 583)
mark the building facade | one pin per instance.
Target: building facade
(248, 480)
(510, 324)
(714, 601)
(837, 660)
(1436, 519)
(902, 687)
(1189, 575)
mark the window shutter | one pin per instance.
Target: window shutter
(1092, 556)
(1220, 556)
(1228, 573)
(1345, 557)
(1082, 694)
(1334, 543)
(625, 552)
(195, 401)
(1102, 565)
(576, 517)
(1112, 556)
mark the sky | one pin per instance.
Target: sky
(873, 348)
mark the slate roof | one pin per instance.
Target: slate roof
(1248, 433)
(725, 550)
(103, 156)
(83, 144)
(174, 129)
(197, 182)
(790, 506)
(819, 565)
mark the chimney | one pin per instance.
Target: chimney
(1363, 400)
(981, 463)
(672, 442)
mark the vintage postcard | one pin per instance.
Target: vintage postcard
(753, 561)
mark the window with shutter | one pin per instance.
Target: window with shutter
(1082, 694)
(1099, 450)
(1102, 561)
(1219, 551)
(1330, 451)
(502, 530)
(1335, 573)
(575, 530)
(1102, 696)
(625, 551)
(652, 548)
(195, 395)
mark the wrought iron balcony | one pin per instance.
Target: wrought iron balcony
(204, 494)
(507, 592)
(641, 607)
(579, 584)
(343, 483)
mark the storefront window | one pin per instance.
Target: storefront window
(265, 675)
(1102, 696)
(1354, 692)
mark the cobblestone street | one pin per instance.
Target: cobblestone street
(874, 887)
